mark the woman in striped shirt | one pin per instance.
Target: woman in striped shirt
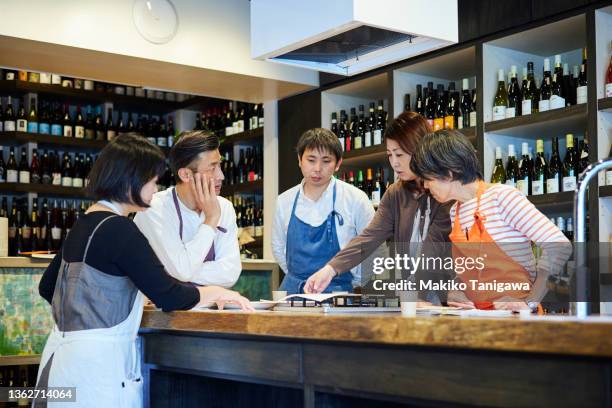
(492, 221)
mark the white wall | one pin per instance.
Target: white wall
(212, 34)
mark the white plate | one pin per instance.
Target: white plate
(261, 305)
(43, 256)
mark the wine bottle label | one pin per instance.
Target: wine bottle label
(26, 232)
(12, 176)
(239, 128)
(569, 183)
(609, 90)
(45, 78)
(584, 155)
(22, 125)
(9, 125)
(2, 176)
(1, 126)
(77, 182)
(67, 181)
(377, 137)
(543, 106)
(368, 139)
(56, 233)
(358, 143)
(67, 131)
(499, 112)
(44, 128)
(552, 185)
(110, 135)
(56, 130)
(537, 187)
(473, 119)
(24, 176)
(523, 186)
(510, 112)
(170, 141)
(253, 122)
(88, 85)
(90, 134)
(12, 232)
(510, 182)
(376, 197)
(341, 140)
(56, 79)
(229, 130)
(609, 178)
(438, 124)
(260, 121)
(79, 132)
(162, 141)
(35, 178)
(56, 179)
(10, 76)
(557, 102)
(152, 140)
(46, 178)
(259, 230)
(581, 94)
(526, 107)
(449, 122)
(32, 127)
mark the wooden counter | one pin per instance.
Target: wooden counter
(339, 360)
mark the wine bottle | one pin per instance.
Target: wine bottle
(583, 155)
(538, 184)
(377, 190)
(44, 121)
(24, 168)
(525, 175)
(381, 120)
(12, 171)
(449, 118)
(9, 117)
(78, 170)
(473, 109)
(35, 173)
(466, 104)
(438, 122)
(569, 164)
(512, 169)
(32, 117)
(2, 167)
(419, 107)
(57, 128)
(90, 127)
(67, 123)
(499, 174)
(559, 71)
(556, 99)
(1, 114)
(170, 132)
(56, 174)
(111, 132)
(545, 89)
(22, 120)
(360, 132)
(581, 89)
(35, 242)
(500, 103)
(608, 89)
(79, 125)
(528, 93)
(514, 95)
(334, 123)
(342, 129)
(569, 92)
(370, 125)
(67, 171)
(45, 169)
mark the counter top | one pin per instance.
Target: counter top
(566, 336)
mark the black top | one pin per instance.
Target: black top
(119, 248)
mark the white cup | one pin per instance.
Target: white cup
(278, 294)
(408, 309)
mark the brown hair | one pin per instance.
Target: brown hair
(408, 129)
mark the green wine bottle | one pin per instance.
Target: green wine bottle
(499, 174)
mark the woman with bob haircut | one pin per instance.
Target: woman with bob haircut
(406, 212)
(95, 284)
(494, 221)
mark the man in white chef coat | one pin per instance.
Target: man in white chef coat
(191, 228)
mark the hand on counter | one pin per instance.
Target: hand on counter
(319, 281)
(458, 299)
(221, 296)
(203, 189)
(509, 303)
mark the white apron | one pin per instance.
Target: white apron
(93, 345)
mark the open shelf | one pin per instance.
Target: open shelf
(605, 191)
(125, 103)
(249, 187)
(540, 125)
(42, 189)
(246, 137)
(21, 138)
(33, 359)
(563, 201)
(605, 104)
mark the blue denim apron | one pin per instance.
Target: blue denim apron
(309, 249)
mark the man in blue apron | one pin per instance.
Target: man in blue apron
(191, 228)
(319, 216)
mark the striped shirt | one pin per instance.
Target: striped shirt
(511, 219)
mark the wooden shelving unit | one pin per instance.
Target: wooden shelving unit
(538, 125)
(247, 137)
(21, 138)
(243, 188)
(554, 201)
(33, 359)
(42, 189)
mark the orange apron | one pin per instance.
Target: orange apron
(498, 265)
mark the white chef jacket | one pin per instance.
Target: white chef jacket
(184, 259)
(353, 205)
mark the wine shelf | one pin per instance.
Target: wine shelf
(21, 138)
(127, 103)
(247, 137)
(605, 191)
(605, 104)
(32, 359)
(555, 201)
(249, 187)
(43, 189)
(555, 122)
(372, 154)
(258, 243)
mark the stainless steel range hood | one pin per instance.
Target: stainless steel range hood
(349, 36)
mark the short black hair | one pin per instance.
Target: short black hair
(320, 139)
(188, 147)
(124, 166)
(446, 153)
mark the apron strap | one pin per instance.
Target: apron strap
(92, 235)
